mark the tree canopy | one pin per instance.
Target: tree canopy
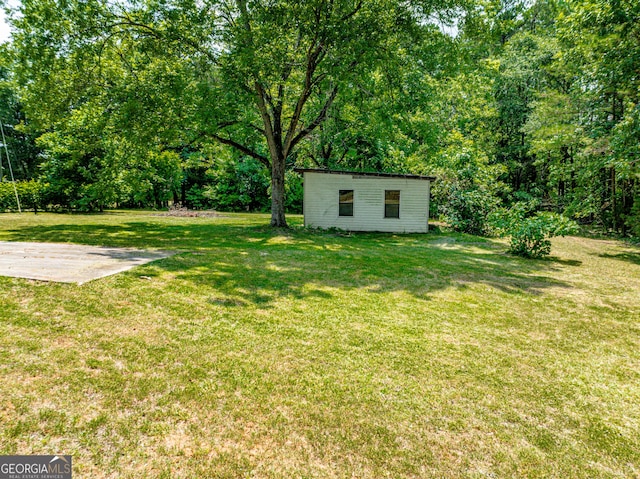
(213, 102)
(257, 76)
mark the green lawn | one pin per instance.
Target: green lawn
(286, 354)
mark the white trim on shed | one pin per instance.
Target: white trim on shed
(322, 193)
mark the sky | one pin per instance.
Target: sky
(4, 28)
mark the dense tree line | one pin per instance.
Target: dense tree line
(508, 102)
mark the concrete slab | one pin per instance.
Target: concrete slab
(69, 263)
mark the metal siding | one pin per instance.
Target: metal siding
(321, 203)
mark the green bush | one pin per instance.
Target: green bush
(197, 198)
(239, 186)
(633, 220)
(293, 192)
(467, 210)
(32, 195)
(468, 189)
(530, 232)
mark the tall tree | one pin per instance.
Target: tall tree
(605, 38)
(22, 150)
(257, 75)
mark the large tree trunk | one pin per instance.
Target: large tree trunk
(277, 193)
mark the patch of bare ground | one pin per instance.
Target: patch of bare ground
(179, 211)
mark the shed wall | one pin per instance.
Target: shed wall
(321, 193)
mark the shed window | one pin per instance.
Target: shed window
(392, 204)
(346, 203)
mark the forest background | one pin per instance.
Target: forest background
(531, 105)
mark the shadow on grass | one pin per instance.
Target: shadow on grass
(564, 262)
(628, 257)
(242, 264)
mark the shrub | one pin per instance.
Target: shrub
(32, 195)
(633, 220)
(467, 210)
(293, 192)
(530, 232)
(198, 198)
(468, 189)
(239, 186)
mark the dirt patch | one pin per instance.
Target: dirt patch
(184, 212)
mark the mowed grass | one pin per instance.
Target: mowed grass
(295, 354)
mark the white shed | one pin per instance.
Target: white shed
(354, 201)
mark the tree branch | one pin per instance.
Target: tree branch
(274, 149)
(313, 57)
(352, 13)
(247, 151)
(126, 21)
(318, 120)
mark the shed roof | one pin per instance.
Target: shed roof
(364, 173)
